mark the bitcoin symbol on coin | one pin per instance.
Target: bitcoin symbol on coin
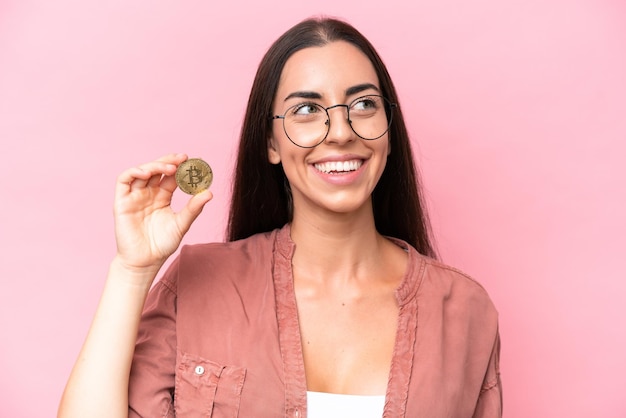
(194, 176)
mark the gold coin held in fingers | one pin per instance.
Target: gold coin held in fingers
(194, 176)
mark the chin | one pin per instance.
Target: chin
(347, 207)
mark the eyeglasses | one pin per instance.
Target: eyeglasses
(307, 124)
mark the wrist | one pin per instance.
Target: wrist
(131, 274)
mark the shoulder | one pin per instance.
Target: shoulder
(235, 256)
(436, 283)
(432, 280)
(451, 277)
(454, 288)
(258, 242)
(200, 263)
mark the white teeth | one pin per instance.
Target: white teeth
(339, 166)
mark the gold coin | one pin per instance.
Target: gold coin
(194, 176)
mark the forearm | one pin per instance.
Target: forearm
(98, 384)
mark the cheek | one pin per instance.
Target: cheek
(385, 152)
(385, 145)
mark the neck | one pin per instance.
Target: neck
(341, 245)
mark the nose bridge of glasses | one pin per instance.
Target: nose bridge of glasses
(341, 129)
(336, 106)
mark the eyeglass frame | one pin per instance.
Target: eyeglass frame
(347, 106)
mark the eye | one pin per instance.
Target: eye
(365, 104)
(305, 109)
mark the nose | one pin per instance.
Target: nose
(339, 129)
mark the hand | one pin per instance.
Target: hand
(147, 230)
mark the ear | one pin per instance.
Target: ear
(272, 151)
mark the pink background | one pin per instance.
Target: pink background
(517, 109)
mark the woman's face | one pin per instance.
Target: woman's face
(338, 175)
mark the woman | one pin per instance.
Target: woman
(327, 292)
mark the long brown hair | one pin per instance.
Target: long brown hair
(261, 200)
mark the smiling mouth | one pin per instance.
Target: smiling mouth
(339, 166)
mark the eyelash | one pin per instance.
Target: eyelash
(295, 109)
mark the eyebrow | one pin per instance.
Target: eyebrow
(361, 87)
(304, 95)
(349, 92)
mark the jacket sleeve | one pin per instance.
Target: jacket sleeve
(490, 399)
(151, 384)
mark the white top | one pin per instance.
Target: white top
(332, 405)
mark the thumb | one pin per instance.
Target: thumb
(192, 209)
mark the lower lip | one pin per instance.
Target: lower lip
(340, 178)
